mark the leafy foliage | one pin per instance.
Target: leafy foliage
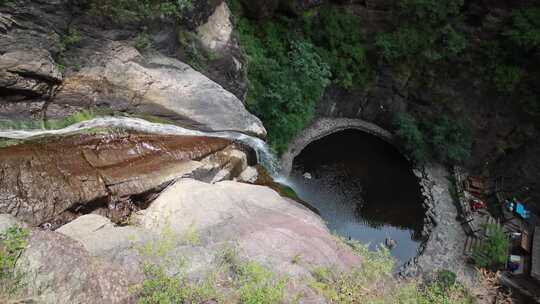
(289, 70)
(12, 243)
(511, 62)
(258, 284)
(143, 42)
(424, 32)
(71, 39)
(525, 31)
(411, 137)
(446, 278)
(372, 282)
(287, 78)
(336, 33)
(493, 251)
(134, 10)
(431, 11)
(404, 42)
(412, 41)
(451, 139)
(507, 77)
(160, 288)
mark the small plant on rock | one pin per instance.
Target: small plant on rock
(12, 244)
(71, 39)
(143, 42)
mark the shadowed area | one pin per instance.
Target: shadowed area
(364, 188)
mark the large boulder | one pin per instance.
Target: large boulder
(119, 78)
(57, 269)
(39, 181)
(264, 226)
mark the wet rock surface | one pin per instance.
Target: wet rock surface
(41, 180)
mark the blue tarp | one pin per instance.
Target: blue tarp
(520, 209)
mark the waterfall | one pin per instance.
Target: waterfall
(265, 156)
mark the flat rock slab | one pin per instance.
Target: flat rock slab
(40, 180)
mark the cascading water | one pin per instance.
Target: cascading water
(265, 156)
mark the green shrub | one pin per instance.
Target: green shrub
(411, 137)
(525, 30)
(143, 42)
(160, 288)
(507, 77)
(451, 139)
(421, 44)
(71, 39)
(493, 251)
(288, 70)
(431, 11)
(336, 34)
(404, 42)
(258, 284)
(455, 41)
(372, 282)
(423, 32)
(12, 243)
(135, 10)
(446, 278)
(287, 78)
(438, 293)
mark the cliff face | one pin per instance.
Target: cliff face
(58, 58)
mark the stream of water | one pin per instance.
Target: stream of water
(264, 154)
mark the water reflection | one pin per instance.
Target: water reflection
(364, 188)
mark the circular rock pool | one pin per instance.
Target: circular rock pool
(364, 189)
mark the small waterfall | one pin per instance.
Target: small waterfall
(265, 156)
